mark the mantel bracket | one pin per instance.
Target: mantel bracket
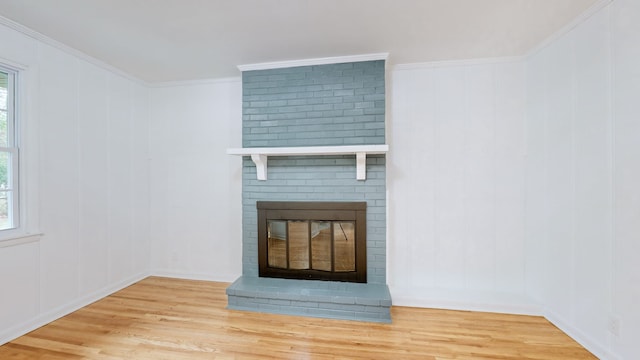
(261, 165)
(361, 166)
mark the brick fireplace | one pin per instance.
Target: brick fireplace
(335, 104)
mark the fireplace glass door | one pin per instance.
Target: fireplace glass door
(312, 244)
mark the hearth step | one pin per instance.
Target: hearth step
(326, 299)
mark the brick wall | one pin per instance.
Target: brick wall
(337, 104)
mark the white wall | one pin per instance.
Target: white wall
(570, 147)
(583, 203)
(456, 186)
(625, 285)
(195, 186)
(86, 188)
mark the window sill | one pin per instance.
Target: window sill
(19, 239)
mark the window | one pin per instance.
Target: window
(9, 212)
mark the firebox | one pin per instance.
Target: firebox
(312, 240)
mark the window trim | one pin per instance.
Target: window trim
(19, 233)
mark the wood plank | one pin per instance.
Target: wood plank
(161, 318)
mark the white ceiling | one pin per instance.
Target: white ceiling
(176, 40)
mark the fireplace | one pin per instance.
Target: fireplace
(312, 240)
(295, 118)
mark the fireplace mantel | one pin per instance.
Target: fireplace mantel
(261, 155)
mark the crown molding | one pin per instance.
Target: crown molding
(462, 62)
(317, 61)
(212, 81)
(69, 50)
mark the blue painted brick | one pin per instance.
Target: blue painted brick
(329, 80)
(269, 307)
(304, 304)
(279, 302)
(337, 104)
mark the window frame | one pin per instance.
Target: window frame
(12, 149)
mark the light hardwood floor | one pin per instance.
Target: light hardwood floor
(160, 318)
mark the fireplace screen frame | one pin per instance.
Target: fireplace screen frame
(313, 211)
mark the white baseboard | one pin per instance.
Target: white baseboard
(593, 346)
(464, 300)
(14, 332)
(227, 278)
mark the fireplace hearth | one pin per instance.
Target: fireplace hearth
(312, 240)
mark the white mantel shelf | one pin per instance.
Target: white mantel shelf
(261, 155)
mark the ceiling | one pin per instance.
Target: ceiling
(178, 40)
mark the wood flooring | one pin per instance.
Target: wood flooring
(161, 318)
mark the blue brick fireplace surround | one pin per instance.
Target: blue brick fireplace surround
(318, 105)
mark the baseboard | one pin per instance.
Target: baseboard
(593, 346)
(227, 278)
(464, 300)
(14, 332)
